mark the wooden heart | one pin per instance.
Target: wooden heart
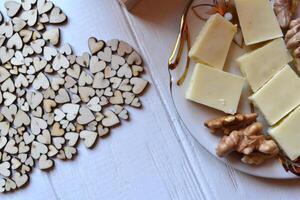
(69, 152)
(6, 29)
(102, 131)
(125, 86)
(69, 82)
(30, 16)
(109, 72)
(57, 16)
(113, 44)
(45, 163)
(52, 151)
(6, 54)
(26, 36)
(15, 42)
(117, 98)
(41, 81)
(4, 169)
(27, 4)
(99, 81)
(9, 98)
(96, 65)
(21, 81)
(45, 137)
(4, 74)
(71, 110)
(39, 63)
(20, 179)
(37, 124)
(105, 55)
(83, 60)
(28, 138)
(110, 119)
(134, 58)
(59, 115)
(21, 118)
(56, 83)
(86, 116)
(85, 93)
(95, 45)
(89, 138)
(15, 163)
(72, 138)
(12, 8)
(37, 45)
(9, 112)
(52, 36)
(94, 104)
(124, 49)
(8, 85)
(11, 147)
(23, 148)
(66, 49)
(56, 131)
(85, 79)
(44, 6)
(124, 71)
(34, 99)
(139, 85)
(49, 53)
(117, 61)
(18, 24)
(62, 96)
(3, 141)
(60, 61)
(74, 71)
(58, 142)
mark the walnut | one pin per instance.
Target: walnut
(283, 12)
(255, 158)
(229, 123)
(245, 137)
(292, 37)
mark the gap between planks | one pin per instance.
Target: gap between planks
(174, 123)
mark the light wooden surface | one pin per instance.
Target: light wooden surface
(151, 157)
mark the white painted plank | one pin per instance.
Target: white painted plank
(38, 188)
(156, 27)
(140, 160)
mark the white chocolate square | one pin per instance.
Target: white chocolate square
(215, 88)
(213, 42)
(258, 21)
(287, 134)
(262, 64)
(279, 96)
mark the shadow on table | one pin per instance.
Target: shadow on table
(158, 11)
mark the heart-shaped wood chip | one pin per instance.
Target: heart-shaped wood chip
(52, 99)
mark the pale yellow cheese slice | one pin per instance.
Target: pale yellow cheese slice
(287, 134)
(212, 44)
(258, 21)
(215, 88)
(260, 65)
(279, 96)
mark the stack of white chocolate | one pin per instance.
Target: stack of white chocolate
(275, 85)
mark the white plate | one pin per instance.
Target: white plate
(194, 115)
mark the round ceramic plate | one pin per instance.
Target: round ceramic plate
(193, 115)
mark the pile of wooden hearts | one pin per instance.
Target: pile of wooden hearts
(51, 99)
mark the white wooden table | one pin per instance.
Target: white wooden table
(151, 157)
